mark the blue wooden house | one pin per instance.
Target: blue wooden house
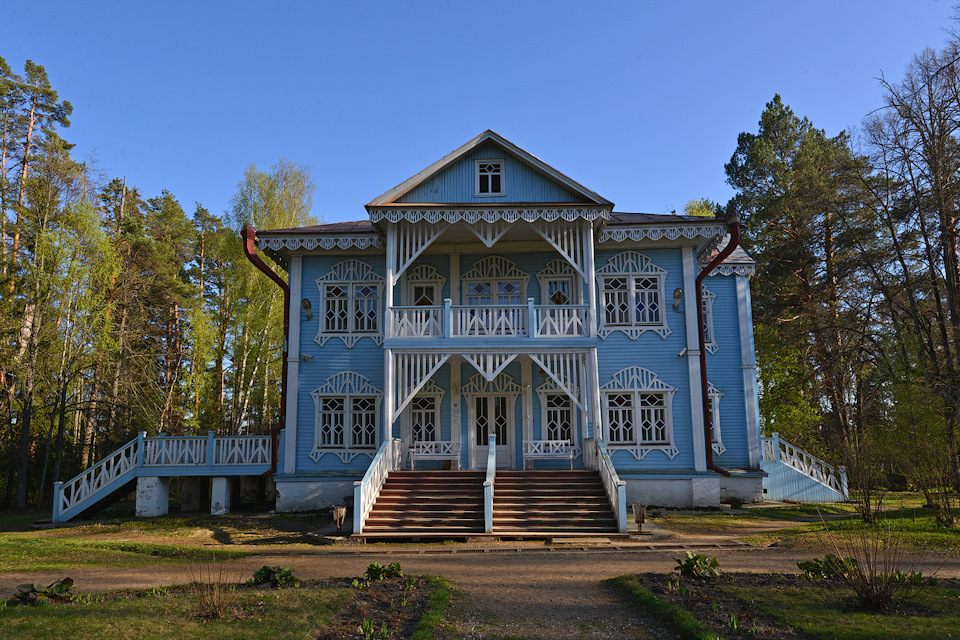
(495, 349)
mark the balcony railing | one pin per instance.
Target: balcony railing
(509, 321)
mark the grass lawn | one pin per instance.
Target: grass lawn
(408, 607)
(784, 606)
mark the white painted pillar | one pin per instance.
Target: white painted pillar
(153, 496)
(590, 268)
(748, 363)
(526, 383)
(455, 278)
(456, 400)
(596, 405)
(693, 356)
(219, 496)
(293, 364)
(389, 377)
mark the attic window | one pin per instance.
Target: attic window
(489, 177)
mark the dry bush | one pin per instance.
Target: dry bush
(214, 586)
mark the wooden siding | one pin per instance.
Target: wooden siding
(456, 184)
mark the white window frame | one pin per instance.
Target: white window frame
(714, 395)
(636, 382)
(709, 336)
(350, 274)
(478, 162)
(559, 270)
(433, 391)
(493, 270)
(631, 266)
(347, 387)
(550, 388)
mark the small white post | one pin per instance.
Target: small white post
(220, 496)
(531, 319)
(447, 318)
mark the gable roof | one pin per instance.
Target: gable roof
(391, 196)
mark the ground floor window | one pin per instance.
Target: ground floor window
(347, 416)
(638, 413)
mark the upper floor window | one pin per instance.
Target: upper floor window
(489, 175)
(350, 303)
(631, 290)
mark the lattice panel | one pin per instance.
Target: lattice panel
(489, 232)
(489, 364)
(568, 239)
(413, 372)
(636, 379)
(412, 239)
(564, 369)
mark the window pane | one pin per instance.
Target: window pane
(331, 422)
(653, 418)
(423, 419)
(559, 417)
(363, 418)
(336, 299)
(620, 415)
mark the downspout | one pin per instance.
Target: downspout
(733, 228)
(249, 235)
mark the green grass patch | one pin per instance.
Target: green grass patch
(675, 618)
(29, 552)
(256, 613)
(435, 611)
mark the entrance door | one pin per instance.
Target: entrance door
(492, 415)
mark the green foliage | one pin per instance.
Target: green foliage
(830, 568)
(701, 207)
(274, 577)
(58, 591)
(698, 565)
(376, 571)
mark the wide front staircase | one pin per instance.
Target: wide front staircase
(423, 504)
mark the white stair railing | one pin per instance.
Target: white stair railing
(775, 448)
(615, 487)
(71, 493)
(389, 458)
(489, 482)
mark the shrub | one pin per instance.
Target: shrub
(58, 591)
(274, 577)
(697, 565)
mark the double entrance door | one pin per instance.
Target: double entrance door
(492, 415)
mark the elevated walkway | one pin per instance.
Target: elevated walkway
(161, 457)
(794, 474)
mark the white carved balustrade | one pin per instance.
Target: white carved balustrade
(231, 450)
(561, 321)
(436, 450)
(70, 493)
(417, 322)
(802, 461)
(509, 321)
(175, 451)
(548, 449)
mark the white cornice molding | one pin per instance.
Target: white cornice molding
(473, 215)
(325, 242)
(734, 270)
(660, 232)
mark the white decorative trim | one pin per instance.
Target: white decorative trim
(631, 264)
(473, 215)
(350, 272)
(659, 232)
(325, 242)
(495, 268)
(708, 299)
(734, 270)
(346, 384)
(425, 273)
(480, 386)
(715, 394)
(638, 380)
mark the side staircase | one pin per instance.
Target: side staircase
(423, 504)
(794, 474)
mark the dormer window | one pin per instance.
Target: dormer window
(489, 177)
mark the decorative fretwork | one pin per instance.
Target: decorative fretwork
(734, 270)
(350, 296)
(489, 364)
(489, 232)
(631, 289)
(478, 385)
(347, 417)
(495, 268)
(660, 232)
(709, 336)
(568, 238)
(476, 214)
(564, 368)
(325, 242)
(716, 438)
(425, 273)
(413, 370)
(638, 416)
(412, 240)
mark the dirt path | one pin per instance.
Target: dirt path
(518, 592)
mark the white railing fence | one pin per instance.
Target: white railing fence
(179, 450)
(544, 321)
(489, 482)
(241, 450)
(389, 458)
(615, 487)
(70, 493)
(417, 322)
(438, 450)
(490, 321)
(774, 448)
(554, 321)
(548, 449)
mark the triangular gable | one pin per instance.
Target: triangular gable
(456, 171)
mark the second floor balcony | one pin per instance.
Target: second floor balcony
(494, 321)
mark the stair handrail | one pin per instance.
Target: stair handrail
(69, 494)
(804, 462)
(615, 487)
(489, 482)
(365, 492)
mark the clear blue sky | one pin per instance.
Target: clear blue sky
(640, 101)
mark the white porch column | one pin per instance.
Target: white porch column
(455, 278)
(596, 405)
(456, 400)
(293, 365)
(219, 496)
(153, 496)
(693, 357)
(526, 383)
(391, 280)
(748, 363)
(590, 267)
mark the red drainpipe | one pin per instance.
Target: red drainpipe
(249, 235)
(733, 227)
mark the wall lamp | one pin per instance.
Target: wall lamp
(677, 298)
(305, 303)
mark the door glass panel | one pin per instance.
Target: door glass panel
(500, 418)
(483, 421)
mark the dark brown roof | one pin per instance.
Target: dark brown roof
(357, 226)
(619, 217)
